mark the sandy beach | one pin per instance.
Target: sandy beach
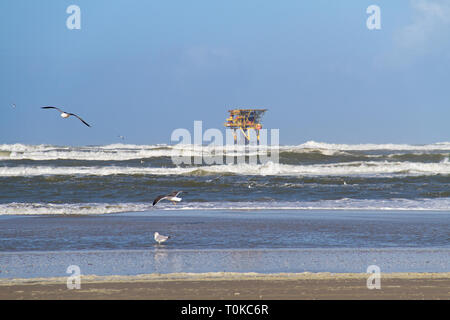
(233, 286)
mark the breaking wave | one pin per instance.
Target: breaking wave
(371, 168)
(123, 152)
(441, 204)
(444, 146)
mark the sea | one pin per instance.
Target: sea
(314, 207)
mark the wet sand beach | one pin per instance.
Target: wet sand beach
(233, 286)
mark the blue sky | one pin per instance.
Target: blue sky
(144, 68)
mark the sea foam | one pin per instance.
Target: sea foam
(366, 168)
(440, 204)
(123, 152)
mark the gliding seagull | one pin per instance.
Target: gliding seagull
(171, 197)
(66, 114)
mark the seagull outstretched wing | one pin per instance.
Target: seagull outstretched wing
(175, 193)
(158, 199)
(73, 114)
(50, 107)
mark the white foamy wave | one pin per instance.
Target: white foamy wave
(121, 152)
(88, 171)
(338, 169)
(116, 152)
(441, 204)
(444, 146)
(365, 168)
(70, 209)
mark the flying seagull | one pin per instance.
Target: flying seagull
(160, 238)
(13, 105)
(66, 114)
(171, 197)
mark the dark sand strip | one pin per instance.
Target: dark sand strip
(231, 286)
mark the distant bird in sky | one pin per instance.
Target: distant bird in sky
(160, 238)
(121, 137)
(171, 197)
(13, 105)
(66, 114)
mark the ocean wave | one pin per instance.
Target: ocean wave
(334, 169)
(123, 152)
(116, 152)
(442, 146)
(441, 204)
(69, 209)
(366, 168)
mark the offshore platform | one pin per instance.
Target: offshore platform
(245, 120)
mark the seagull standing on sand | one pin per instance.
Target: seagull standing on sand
(171, 197)
(66, 114)
(160, 238)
